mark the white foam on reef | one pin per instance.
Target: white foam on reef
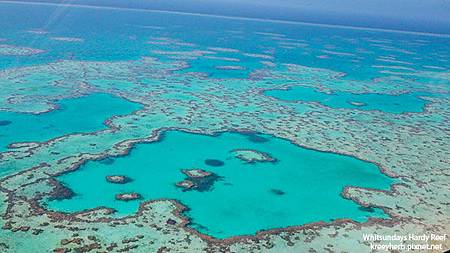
(270, 34)
(154, 27)
(67, 39)
(222, 49)
(37, 31)
(222, 58)
(158, 43)
(293, 44)
(433, 67)
(262, 56)
(337, 53)
(392, 60)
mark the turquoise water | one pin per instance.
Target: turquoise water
(356, 52)
(74, 115)
(382, 102)
(303, 186)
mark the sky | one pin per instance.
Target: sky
(411, 15)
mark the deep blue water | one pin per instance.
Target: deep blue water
(383, 14)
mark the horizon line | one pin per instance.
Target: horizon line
(277, 21)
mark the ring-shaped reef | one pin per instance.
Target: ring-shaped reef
(236, 198)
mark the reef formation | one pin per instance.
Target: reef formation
(412, 147)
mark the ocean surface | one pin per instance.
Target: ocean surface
(125, 35)
(302, 186)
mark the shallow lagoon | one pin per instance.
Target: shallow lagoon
(302, 186)
(367, 101)
(74, 115)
